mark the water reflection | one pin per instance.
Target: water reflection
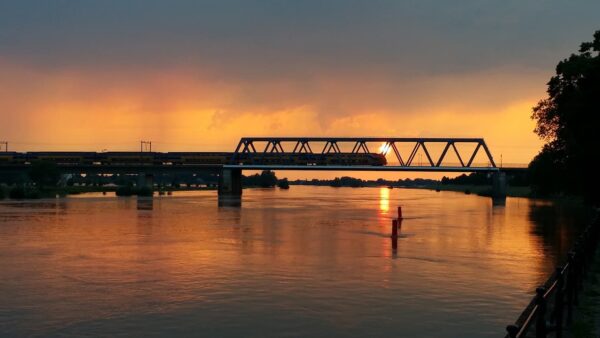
(556, 225)
(397, 224)
(313, 261)
(499, 201)
(384, 200)
(145, 203)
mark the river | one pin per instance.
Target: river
(303, 262)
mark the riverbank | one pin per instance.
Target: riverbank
(511, 191)
(28, 192)
(481, 190)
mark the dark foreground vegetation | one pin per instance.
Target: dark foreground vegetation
(569, 120)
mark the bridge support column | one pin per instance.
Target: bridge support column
(230, 187)
(499, 188)
(145, 180)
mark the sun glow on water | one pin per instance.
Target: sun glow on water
(384, 200)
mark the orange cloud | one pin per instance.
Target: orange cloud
(191, 109)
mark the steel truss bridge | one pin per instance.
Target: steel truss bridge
(278, 153)
(284, 153)
(247, 148)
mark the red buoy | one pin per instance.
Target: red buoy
(394, 228)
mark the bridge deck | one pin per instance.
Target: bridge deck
(131, 168)
(362, 168)
(276, 156)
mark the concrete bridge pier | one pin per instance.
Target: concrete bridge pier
(145, 180)
(230, 187)
(499, 188)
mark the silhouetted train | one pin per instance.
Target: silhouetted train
(190, 158)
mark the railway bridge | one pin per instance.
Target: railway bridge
(386, 154)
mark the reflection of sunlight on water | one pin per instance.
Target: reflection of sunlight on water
(384, 200)
(196, 261)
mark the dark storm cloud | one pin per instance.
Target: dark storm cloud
(257, 40)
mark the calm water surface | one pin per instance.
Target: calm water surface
(306, 262)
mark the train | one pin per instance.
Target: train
(191, 158)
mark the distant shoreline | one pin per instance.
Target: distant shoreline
(480, 190)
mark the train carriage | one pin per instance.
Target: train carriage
(12, 157)
(193, 158)
(61, 157)
(126, 157)
(310, 159)
(207, 158)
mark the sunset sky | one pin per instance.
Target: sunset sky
(198, 75)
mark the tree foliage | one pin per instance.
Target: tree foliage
(569, 121)
(266, 179)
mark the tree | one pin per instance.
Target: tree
(266, 179)
(569, 121)
(283, 183)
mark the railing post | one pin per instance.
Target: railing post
(559, 302)
(576, 277)
(540, 324)
(571, 287)
(584, 257)
(512, 330)
(576, 253)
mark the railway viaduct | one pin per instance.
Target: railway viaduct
(403, 154)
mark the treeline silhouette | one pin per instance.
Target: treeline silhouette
(515, 179)
(569, 121)
(266, 179)
(347, 181)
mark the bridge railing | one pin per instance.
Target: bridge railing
(249, 147)
(552, 306)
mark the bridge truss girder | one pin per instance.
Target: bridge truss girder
(302, 145)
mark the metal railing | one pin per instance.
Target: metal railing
(552, 306)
